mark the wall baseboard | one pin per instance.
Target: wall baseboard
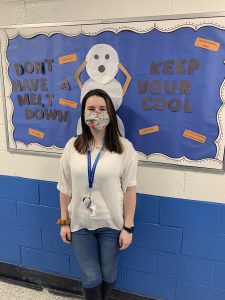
(54, 283)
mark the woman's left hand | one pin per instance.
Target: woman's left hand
(125, 239)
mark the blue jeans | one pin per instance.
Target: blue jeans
(97, 252)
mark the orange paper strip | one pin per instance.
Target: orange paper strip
(67, 58)
(36, 133)
(67, 103)
(194, 136)
(207, 44)
(147, 130)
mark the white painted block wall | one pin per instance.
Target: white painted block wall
(155, 180)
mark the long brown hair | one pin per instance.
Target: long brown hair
(112, 133)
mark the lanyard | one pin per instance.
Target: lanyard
(91, 170)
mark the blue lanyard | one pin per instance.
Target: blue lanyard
(91, 170)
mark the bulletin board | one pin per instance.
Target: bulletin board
(165, 77)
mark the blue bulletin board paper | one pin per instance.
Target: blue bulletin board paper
(166, 80)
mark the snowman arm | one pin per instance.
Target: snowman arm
(128, 78)
(78, 72)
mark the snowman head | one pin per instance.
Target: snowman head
(102, 63)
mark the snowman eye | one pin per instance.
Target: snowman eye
(107, 56)
(96, 56)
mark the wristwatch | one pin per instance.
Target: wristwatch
(129, 229)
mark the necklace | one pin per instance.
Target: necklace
(95, 147)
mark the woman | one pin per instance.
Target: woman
(97, 185)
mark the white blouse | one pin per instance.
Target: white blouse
(114, 173)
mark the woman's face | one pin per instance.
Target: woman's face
(95, 104)
(96, 114)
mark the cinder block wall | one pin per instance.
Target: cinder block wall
(179, 244)
(178, 251)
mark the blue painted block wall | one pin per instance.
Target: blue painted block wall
(178, 251)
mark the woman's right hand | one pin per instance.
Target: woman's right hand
(65, 234)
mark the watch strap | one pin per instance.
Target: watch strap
(129, 229)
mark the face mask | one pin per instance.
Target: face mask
(97, 121)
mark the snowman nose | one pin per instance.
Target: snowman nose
(101, 68)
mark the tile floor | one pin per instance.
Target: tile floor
(11, 291)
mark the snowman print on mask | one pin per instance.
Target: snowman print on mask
(102, 64)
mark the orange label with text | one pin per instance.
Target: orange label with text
(36, 133)
(207, 44)
(148, 130)
(194, 136)
(66, 102)
(67, 58)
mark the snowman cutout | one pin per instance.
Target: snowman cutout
(102, 64)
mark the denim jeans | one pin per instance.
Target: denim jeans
(97, 252)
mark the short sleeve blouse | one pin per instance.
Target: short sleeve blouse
(114, 174)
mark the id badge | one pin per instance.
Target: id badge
(92, 210)
(87, 201)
